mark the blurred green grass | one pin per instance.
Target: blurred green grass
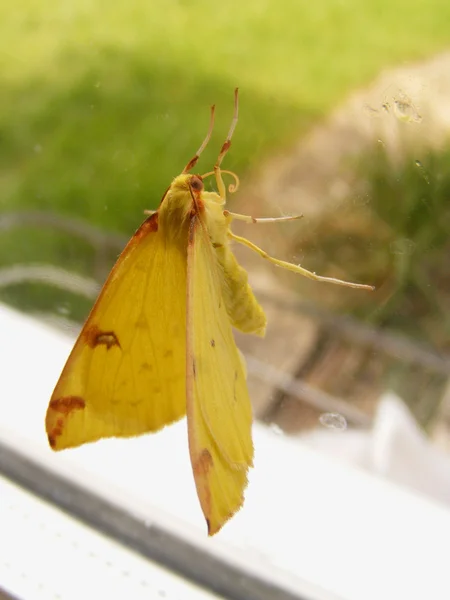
(101, 105)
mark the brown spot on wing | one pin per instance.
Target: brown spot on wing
(55, 433)
(201, 469)
(63, 406)
(213, 343)
(194, 371)
(203, 463)
(168, 353)
(67, 404)
(108, 338)
(94, 337)
(150, 225)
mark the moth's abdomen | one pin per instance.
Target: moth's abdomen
(243, 308)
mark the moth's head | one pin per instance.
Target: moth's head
(187, 183)
(184, 191)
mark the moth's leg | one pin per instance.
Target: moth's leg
(221, 188)
(249, 219)
(149, 212)
(296, 268)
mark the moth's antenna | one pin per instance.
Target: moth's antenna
(191, 164)
(227, 143)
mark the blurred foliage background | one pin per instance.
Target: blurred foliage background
(101, 104)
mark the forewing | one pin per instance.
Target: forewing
(218, 405)
(126, 373)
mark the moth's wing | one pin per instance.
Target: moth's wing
(218, 405)
(126, 374)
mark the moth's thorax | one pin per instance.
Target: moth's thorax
(185, 195)
(176, 206)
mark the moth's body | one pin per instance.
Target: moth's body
(128, 369)
(243, 309)
(158, 343)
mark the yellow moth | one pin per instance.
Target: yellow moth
(158, 343)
